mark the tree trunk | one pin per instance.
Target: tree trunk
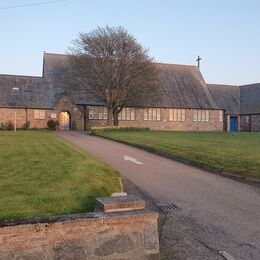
(110, 116)
(115, 114)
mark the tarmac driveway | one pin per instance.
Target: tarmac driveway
(213, 213)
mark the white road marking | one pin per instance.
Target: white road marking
(226, 255)
(131, 159)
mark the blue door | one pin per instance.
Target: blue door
(233, 124)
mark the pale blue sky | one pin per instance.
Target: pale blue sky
(226, 33)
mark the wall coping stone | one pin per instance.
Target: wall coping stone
(119, 203)
(97, 216)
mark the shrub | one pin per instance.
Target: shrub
(8, 126)
(26, 125)
(100, 130)
(52, 124)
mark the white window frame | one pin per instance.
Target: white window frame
(201, 115)
(39, 114)
(97, 113)
(177, 115)
(220, 116)
(152, 114)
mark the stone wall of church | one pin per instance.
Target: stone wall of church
(29, 115)
(253, 126)
(255, 123)
(8, 115)
(165, 124)
(76, 112)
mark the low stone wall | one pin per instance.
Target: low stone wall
(117, 235)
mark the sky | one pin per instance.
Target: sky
(225, 33)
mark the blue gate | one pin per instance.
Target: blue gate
(233, 124)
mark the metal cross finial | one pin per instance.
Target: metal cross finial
(198, 60)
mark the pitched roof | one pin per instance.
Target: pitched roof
(183, 86)
(24, 91)
(226, 97)
(250, 99)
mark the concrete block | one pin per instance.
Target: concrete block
(119, 203)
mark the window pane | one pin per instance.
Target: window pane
(207, 115)
(195, 115)
(154, 114)
(183, 115)
(175, 114)
(199, 115)
(146, 114)
(158, 114)
(123, 114)
(150, 114)
(90, 116)
(36, 114)
(42, 114)
(53, 115)
(179, 115)
(170, 114)
(220, 113)
(203, 115)
(132, 114)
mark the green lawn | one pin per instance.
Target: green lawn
(235, 153)
(41, 175)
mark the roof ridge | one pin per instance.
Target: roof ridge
(172, 64)
(251, 85)
(58, 54)
(23, 76)
(216, 84)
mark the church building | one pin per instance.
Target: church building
(187, 102)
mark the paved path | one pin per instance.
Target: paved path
(221, 214)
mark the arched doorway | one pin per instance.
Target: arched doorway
(65, 121)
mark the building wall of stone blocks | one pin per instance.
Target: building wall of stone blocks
(76, 112)
(27, 115)
(244, 126)
(255, 123)
(166, 124)
(122, 235)
(8, 114)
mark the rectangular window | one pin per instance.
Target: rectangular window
(97, 113)
(36, 114)
(39, 114)
(53, 115)
(220, 116)
(248, 119)
(177, 115)
(195, 115)
(16, 90)
(42, 114)
(127, 113)
(152, 114)
(200, 115)
(207, 115)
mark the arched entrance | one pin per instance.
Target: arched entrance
(65, 121)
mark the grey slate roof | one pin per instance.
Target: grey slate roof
(226, 97)
(33, 92)
(250, 99)
(182, 86)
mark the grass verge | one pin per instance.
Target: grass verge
(237, 153)
(42, 175)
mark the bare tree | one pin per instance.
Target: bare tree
(115, 68)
